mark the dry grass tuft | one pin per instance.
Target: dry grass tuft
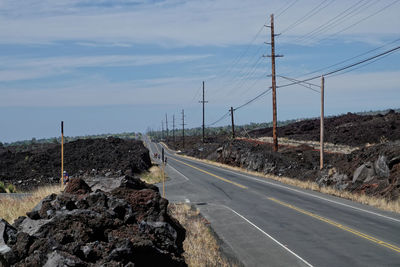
(11, 207)
(201, 247)
(377, 202)
(329, 147)
(153, 176)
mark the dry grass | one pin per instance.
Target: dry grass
(380, 203)
(11, 207)
(329, 147)
(201, 247)
(153, 176)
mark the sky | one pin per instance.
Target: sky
(111, 66)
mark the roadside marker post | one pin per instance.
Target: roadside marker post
(321, 152)
(62, 154)
(163, 171)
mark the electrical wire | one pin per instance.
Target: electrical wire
(220, 119)
(304, 84)
(346, 60)
(326, 24)
(345, 17)
(362, 66)
(287, 8)
(240, 56)
(344, 68)
(361, 20)
(197, 93)
(253, 99)
(308, 15)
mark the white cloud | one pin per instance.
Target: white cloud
(343, 91)
(22, 69)
(176, 23)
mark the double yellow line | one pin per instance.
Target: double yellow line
(338, 225)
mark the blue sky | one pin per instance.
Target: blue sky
(107, 66)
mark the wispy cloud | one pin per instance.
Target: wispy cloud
(14, 69)
(176, 23)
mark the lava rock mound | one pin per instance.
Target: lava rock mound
(82, 158)
(128, 226)
(349, 129)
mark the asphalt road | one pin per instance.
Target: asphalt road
(266, 223)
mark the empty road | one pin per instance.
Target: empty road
(265, 223)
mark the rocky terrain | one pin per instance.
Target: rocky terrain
(350, 129)
(41, 165)
(373, 168)
(122, 225)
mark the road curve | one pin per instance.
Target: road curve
(266, 223)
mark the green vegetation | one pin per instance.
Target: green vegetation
(2, 187)
(222, 130)
(7, 188)
(11, 189)
(57, 140)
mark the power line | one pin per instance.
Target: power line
(344, 68)
(220, 119)
(242, 81)
(308, 15)
(287, 8)
(346, 60)
(240, 56)
(197, 93)
(342, 19)
(328, 22)
(253, 99)
(362, 66)
(363, 61)
(304, 84)
(361, 20)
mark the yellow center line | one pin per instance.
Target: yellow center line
(214, 175)
(338, 225)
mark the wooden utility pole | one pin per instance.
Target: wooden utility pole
(166, 125)
(162, 129)
(233, 124)
(321, 155)
(173, 127)
(274, 113)
(62, 154)
(183, 128)
(203, 102)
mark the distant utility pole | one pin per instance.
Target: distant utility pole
(183, 128)
(162, 129)
(321, 155)
(62, 154)
(203, 102)
(166, 125)
(173, 127)
(233, 124)
(273, 56)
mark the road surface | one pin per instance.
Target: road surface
(267, 223)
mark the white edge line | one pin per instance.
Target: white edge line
(305, 193)
(184, 176)
(268, 235)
